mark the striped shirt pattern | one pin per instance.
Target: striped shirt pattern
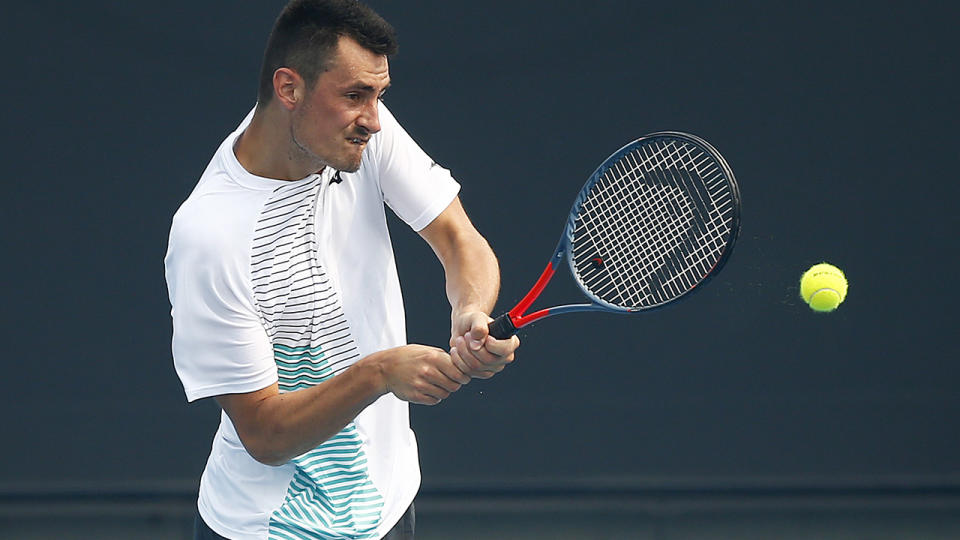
(331, 495)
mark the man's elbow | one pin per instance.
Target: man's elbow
(271, 460)
(267, 456)
(264, 449)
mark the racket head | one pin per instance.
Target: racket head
(655, 221)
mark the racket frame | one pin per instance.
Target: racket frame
(507, 324)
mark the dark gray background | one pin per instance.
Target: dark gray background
(837, 119)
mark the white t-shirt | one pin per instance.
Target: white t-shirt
(292, 282)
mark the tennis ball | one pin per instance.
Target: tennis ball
(823, 287)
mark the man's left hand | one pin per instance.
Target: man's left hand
(474, 351)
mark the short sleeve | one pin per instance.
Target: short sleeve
(219, 344)
(414, 186)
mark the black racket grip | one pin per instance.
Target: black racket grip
(502, 327)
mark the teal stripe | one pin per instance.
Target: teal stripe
(338, 451)
(337, 447)
(311, 514)
(316, 504)
(352, 520)
(359, 500)
(330, 495)
(312, 373)
(341, 440)
(300, 380)
(338, 441)
(310, 350)
(300, 367)
(363, 490)
(297, 512)
(342, 463)
(339, 489)
(307, 371)
(294, 387)
(318, 368)
(296, 366)
(331, 461)
(343, 493)
(356, 519)
(298, 383)
(355, 475)
(288, 532)
(322, 471)
(306, 374)
(311, 357)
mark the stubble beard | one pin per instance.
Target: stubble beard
(319, 162)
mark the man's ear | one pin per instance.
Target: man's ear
(288, 87)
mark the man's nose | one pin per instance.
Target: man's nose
(370, 118)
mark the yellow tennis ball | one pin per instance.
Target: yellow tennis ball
(823, 287)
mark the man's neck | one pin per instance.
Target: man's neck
(264, 148)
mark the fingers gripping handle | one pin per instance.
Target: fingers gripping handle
(502, 327)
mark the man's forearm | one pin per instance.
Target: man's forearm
(472, 275)
(473, 282)
(276, 427)
(471, 269)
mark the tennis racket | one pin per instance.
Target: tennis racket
(655, 221)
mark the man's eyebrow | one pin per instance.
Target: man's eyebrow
(367, 87)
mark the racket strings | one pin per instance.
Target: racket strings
(632, 225)
(653, 225)
(629, 230)
(712, 229)
(693, 170)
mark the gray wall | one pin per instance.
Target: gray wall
(837, 119)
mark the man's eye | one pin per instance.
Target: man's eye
(353, 97)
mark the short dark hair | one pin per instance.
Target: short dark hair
(306, 33)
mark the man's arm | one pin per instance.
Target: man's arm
(473, 282)
(275, 427)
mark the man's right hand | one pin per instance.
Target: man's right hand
(418, 374)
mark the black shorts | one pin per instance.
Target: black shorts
(403, 530)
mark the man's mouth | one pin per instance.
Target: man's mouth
(358, 140)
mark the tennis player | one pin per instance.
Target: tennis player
(285, 299)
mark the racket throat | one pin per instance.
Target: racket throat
(507, 324)
(524, 305)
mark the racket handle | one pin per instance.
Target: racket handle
(502, 327)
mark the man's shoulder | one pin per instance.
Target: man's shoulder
(218, 215)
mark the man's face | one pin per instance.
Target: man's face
(339, 114)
